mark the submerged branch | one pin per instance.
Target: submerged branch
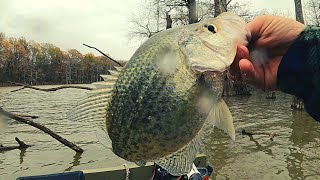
(49, 89)
(271, 135)
(28, 116)
(22, 145)
(42, 128)
(104, 54)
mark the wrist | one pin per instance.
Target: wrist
(292, 67)
(298, 72)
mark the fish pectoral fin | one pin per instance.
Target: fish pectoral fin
(103, 138)
(220, 116)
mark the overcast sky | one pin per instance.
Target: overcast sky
(101, 23)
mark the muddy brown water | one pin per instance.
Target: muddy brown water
(293, 154)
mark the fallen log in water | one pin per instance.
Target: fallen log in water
(271, 135)
(22, 145)
(42, 128)
(27, 116)
(49, 89)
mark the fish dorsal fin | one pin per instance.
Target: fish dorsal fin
(220, 116)
(114, 72)
(108, 80)
(118, 68)
(92, 110)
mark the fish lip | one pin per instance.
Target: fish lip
(207, 71)
(213, 72)
(214, 75)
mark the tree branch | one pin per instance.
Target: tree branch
(27, 116)
(225, 6)
(175, 5)
(22, 145)
(271, 135)
(104, 54)
(50, 89)
(42, 128)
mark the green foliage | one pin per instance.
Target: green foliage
(34, 63)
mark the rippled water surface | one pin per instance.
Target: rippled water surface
(294, 153)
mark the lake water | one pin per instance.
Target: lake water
(293, 154)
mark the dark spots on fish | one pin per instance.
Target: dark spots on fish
(157, 127)
(134, 151)
(162, 144)
(145, 139)
(161, 121)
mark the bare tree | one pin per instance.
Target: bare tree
(242, 9)
(298, 103)
(164, 14)
(313, 12)
(142, 28)
(169, 21)
(220, 6)
(298, 10)
(153, 17)
(192, 8)
(157, 15)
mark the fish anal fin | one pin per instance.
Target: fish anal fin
(180, 162)
(104, 138)
(220, 116)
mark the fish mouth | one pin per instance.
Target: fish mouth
(213, 73)
(200, 70)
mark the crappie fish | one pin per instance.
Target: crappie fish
(164, 102)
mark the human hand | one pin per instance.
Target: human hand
(258, 63)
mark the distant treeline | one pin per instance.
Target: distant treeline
(34, 63)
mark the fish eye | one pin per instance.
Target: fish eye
(211, 28)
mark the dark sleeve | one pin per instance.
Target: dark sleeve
(299, 70)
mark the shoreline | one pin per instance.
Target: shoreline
(44, 84)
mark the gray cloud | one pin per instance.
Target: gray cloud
(68, 24)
